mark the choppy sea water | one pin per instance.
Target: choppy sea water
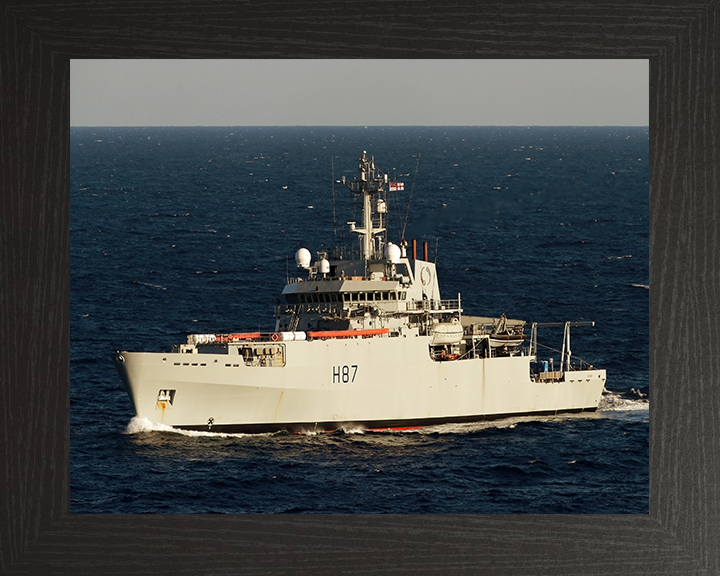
(192, 230)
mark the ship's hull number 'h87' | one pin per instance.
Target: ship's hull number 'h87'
(344, 374)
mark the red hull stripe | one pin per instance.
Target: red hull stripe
(369, 425)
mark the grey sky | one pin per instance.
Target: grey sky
(359, 92)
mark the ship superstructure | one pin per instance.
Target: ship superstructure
(360, 340)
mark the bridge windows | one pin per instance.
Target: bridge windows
(332, 297)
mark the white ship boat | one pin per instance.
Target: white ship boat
(364, 342)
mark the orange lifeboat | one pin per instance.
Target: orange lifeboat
(241, 336)
(348, 333)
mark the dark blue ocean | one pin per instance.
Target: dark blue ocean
(192, 230)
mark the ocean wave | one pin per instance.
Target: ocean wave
(138, 425)
(610, 401)
(150, 285)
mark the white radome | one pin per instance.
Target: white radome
(392, 253)
(303, 258)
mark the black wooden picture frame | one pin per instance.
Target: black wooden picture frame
(681, 532)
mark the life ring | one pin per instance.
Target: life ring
(275, 337)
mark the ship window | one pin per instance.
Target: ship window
(346, 296)
(403, 295)
(385, 296)
(393, 296)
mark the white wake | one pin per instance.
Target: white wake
(138, 425)
(614, 402)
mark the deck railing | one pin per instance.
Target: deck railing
(431, 305)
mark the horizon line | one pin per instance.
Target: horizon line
(361, 126)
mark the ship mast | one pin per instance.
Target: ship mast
(368, 185)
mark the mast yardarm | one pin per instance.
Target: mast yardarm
(369, 184)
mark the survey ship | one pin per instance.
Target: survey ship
(362, 339)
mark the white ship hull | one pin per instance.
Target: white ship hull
(361, 341)
(380, 382)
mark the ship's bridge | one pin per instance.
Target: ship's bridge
(379, 285)
(383, 294)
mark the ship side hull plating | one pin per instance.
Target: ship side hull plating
(343, 383)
